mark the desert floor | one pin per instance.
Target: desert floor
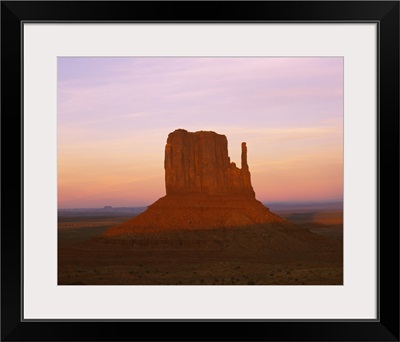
(309, 253)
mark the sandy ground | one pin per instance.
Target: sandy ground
(309, 255)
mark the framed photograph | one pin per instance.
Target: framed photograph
(224, 163)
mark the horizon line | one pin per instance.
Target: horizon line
(263, 202)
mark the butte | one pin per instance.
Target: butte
(204, 190)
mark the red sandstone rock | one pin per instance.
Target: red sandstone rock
(198, 163)
(204, 189)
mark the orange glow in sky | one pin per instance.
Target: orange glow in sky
(114, 116)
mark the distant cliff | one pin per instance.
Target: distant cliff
(205, 190)
(198, 163)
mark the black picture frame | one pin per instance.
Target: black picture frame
(384, 13)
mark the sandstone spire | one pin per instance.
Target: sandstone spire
(244, 157)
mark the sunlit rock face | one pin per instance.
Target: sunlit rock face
(198, 163)
(204, 189)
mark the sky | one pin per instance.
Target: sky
(115, 114)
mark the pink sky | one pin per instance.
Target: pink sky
(114, 116)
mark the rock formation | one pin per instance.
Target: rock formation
(198, 163)
(204, 189)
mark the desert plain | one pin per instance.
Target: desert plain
(308, 253)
